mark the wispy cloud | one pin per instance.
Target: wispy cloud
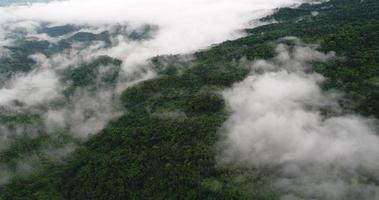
(276, 121)
(174, 27)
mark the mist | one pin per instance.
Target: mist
(129, 31)
(162, 27)
(181, 27)
(278, 121)
(184, 26)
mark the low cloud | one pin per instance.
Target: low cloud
(86, 115)
(184, 26)
(137, 30)
(35, 87)
(276, 121)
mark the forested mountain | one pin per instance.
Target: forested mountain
(165, 142)
(10, 2)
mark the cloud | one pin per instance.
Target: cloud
(184, 26)
(86, 114)
(172, 27)
(276, 121)
(36, 87)
(138, 30)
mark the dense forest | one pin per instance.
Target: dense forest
(163, 146)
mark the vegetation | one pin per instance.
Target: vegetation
(86, 74)
(163, 146)
(56, 31)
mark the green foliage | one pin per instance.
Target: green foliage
(163, 147)
(19, 59)
(87, 37)
(91, 74)
(56, 31)
(19, 56)
(35, 187)
(86, 74)
(348, 27)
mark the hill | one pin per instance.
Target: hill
(164, 145)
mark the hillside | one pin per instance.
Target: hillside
(165, 143)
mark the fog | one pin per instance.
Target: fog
(166, 27)
(278, 120)
(35, 87)
(182, 27)
(137, 30)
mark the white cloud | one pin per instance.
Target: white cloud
(87, 113)
(35, 87)
(184, 26)
(276, 120)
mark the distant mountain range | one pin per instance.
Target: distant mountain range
(10, 2)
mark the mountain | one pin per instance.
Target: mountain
(165, 144)
(18, 2)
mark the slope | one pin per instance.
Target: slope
(163, 147)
